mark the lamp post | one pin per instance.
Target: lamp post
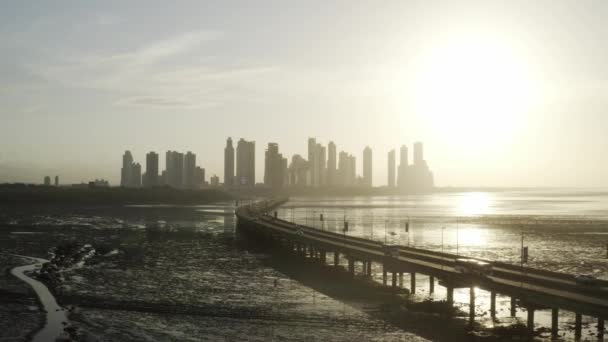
(442, 229)
(457, 236)
(385, 224)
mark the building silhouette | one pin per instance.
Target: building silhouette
(275, 167)
(174, 169)
(56, 180)
(47, 180)
(391, 168)
(189, 181)
(418, 154)
(403, 164)
(130, 173)
(331, 164)
(245, 163)
(214, 181)
(198, 179)
(367, 167)
(229, 164)
(298, 171)
(151, 177)
(415, 177)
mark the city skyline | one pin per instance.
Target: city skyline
(81, 82)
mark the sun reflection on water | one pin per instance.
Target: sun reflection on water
(474, 203)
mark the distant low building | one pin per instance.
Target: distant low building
(215, 181)
(47, 180)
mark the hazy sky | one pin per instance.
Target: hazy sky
(511, 93)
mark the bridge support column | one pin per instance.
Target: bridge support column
(323, 258)
(450, 295)
(336, 259)
(369, 268)
(413, 282)
(578, 322)
(600, 328)
(400, 279)
(530, 321)
(513, 306)
(311, 251)
(394, 283)
(472, 306)
(493, 305)
(351, 267)
(554, 320)
(384, 275)
(364, 268)
(431, 284)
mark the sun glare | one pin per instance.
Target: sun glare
(473, 91)
(473, 203)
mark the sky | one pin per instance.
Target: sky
(501, 93)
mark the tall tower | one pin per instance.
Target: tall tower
(151, 177)
(367, 166)
(391, 168)
(229, 163)
(403, 165)
(126, 171)
(313, 162)
(245, 163)
(274, 172)
(418, 155)
(189, 171)
(331, 164)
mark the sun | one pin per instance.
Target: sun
(473, 90)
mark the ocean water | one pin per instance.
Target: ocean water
(196, 280)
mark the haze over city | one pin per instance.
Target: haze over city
(502, 94)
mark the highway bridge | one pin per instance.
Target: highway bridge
(531, 288)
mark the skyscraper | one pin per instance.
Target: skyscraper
(126, 171)
(313, 162)
(135, 180)
(367, 166)
(198, 180)
(245, 163)
(150, 178)
(229, 163)
(174, 166)
(403, 165)
(274, 164)
(391, 168)
(418, 154)
(189, 171)
(331, 164)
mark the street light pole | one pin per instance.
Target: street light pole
(442, 229)
(457, 236)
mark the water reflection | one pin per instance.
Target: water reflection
(474, 203)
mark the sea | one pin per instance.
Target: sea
(184, 273)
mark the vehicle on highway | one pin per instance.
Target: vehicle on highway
(391, 250)
(473, 267)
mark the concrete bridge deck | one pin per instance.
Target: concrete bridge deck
(532, 288)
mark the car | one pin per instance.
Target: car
(586, 280)
(473, 267)
(391, 250)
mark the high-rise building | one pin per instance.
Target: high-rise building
(245, 163)
(418, 154)
(331, 164)
(298, 171)
(274, 163)
(313, 162)
(127, 169)
(174, 166)
(135, 180)
(47, 180)
(347, 169)
(403, 165)
(229, 163)
(391, 168)
(367, 166)
(150, 178)
(198, 178)
(189, 170)
(56, 180)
